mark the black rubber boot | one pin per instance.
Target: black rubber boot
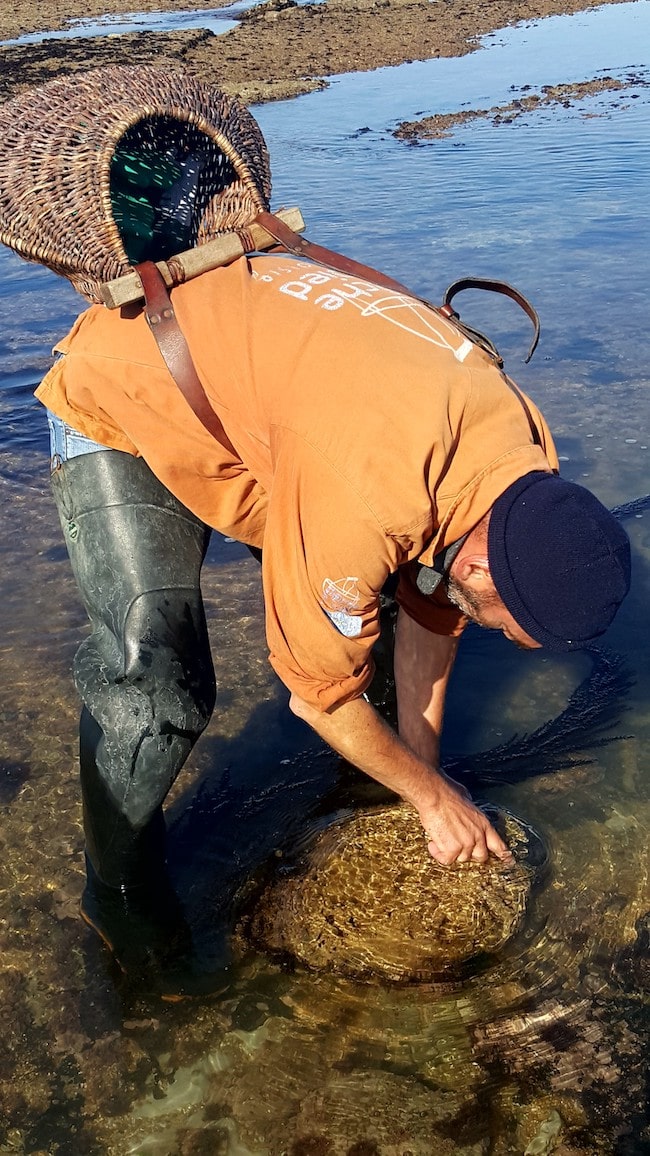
(149, 939)
(146, 678)
(140, 920)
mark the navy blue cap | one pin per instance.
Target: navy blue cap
(559, 559)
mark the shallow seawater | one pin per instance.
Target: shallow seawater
(544, 1050)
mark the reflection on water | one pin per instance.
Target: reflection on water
(542, 1053)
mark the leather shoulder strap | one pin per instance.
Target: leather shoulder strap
(302, 247)
(161, 319)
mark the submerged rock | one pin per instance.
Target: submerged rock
(365, 900)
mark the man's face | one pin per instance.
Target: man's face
(486, 609)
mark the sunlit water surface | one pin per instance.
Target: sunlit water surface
(544, 1051)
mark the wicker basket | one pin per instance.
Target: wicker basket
(61, 203)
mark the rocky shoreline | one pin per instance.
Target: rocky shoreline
(279, 49)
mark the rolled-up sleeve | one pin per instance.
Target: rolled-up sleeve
(325, 560)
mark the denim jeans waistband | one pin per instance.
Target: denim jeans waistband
(66, 442)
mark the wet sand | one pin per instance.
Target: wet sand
(278, 50)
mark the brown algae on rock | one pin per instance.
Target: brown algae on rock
(365, 900)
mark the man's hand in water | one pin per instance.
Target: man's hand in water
(456, 830)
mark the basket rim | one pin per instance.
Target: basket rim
(27, 248)
(170, 112)
(222, 118)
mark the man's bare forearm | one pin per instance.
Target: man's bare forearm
(455, 828)
(362, 737)
(423, 663)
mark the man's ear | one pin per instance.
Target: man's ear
(473, 570)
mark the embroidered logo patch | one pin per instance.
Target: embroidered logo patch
(340, 594)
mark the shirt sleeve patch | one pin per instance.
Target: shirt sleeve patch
(350, 625)
(340, 596)
(340, 593)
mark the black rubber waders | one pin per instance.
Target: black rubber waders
(146, 679)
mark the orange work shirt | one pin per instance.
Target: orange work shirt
(368, 433)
